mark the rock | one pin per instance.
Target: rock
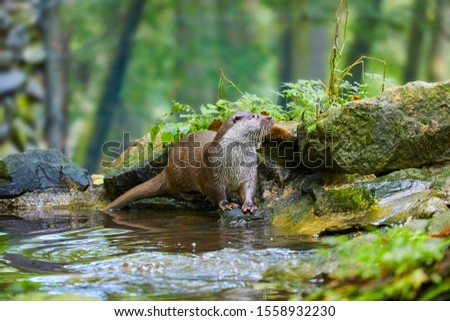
(97, 180)
(332, 203)
(199, 204)
(236, 218)
(441, 180)
(11, 80)
(137, 164)
(404, 127)
(40, 170)
(419, 225)
(69, 199)
(18, 37)
(440, 224)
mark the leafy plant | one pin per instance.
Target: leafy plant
(397, 264)
(337, 83)
(305, 100)
(171, 131)
(305, 97)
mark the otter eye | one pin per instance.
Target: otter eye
(236, 118)
(255, 116)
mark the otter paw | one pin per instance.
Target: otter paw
(225, 205)
(248, 207)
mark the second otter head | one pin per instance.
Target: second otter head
(245, 127)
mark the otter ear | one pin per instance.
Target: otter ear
(236, 118)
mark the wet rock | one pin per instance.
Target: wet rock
(407, 126)
(333, 203)
(309, 267)
(40, 170)
(11, 80)
(236, 218)
(199, 204)
(74, 200)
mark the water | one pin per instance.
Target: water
(141, 256)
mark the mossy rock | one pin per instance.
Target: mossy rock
(404, 127)
(90, 199)
(137, 164)
(337, 203)
(440, 224)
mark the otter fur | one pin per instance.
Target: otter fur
(212, 163)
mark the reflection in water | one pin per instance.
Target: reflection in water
(146, 255)
(192, 232)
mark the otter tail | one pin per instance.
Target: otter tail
(151, 188)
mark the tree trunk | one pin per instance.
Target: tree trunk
(56, 46)
(320, 52)
(286, 48)
(295, 51)
(416, 38)
(301, 51)
(196, 51)
(436, 69)
(110, 101)
(365, 34)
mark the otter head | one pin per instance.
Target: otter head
(245, 127)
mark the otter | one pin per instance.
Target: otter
(212, 163)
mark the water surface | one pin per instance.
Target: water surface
(142, 256)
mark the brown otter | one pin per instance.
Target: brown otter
(214, 164)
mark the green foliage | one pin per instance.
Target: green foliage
(398, 264)
(171, 131)
(337, 84)
(305, 97)
(305, 101)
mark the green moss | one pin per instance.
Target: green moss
(391, 132)
(291, 216)
(409, 174)
(398, 264)
(348, 199)
(4, 172)
(355, 198)
(440, 176)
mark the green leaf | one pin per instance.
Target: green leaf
(209, 109)
(222, 102)
(311, 126)
(154, 130)
(170, 128)
(167, 137)
(184, 128)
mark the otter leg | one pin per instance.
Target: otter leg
(247, 191)
(225, 205)
(219, 197)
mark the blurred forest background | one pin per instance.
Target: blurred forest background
(76, 73)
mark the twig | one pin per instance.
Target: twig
(224, 78)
